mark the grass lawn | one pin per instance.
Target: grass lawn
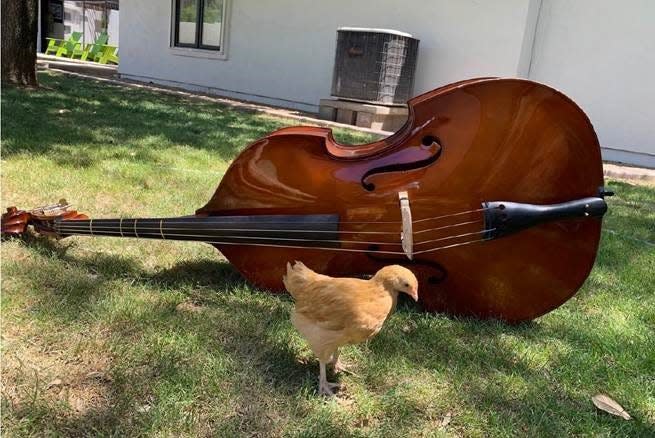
(106, 336)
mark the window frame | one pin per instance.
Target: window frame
(198, 45)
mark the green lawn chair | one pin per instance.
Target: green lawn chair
(92, 51)
(60, 47)
(109, 54)
(53, 45)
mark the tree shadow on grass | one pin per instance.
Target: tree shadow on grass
(213, 285)
(77, 122)
(498, 371)
(473, 356)
(262, 342)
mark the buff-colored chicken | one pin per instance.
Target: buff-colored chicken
(332, 312)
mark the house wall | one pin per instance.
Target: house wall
(599, 52)
(602, 54)
(282, 52)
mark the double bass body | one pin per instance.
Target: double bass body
(463, 145)
(492, 194)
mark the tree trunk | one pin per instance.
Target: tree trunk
(18, 42)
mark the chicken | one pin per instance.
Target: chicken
(332, 312)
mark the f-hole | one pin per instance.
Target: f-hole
(428, 140)
(430, 150)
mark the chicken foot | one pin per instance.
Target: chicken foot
(325, 387)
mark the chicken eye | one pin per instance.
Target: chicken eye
(406, 284)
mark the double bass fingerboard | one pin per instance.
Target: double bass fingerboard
(304, 230)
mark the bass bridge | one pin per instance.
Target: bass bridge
(407, 233)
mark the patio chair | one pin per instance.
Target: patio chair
(59, 47)
(93, 50)
(109, 54)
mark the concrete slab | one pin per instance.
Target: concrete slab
(76, 65)
(620, 171)
(378, 117)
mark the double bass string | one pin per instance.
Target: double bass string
(416, 221)
(84, 230)
(156, 232)
(182, 221)
(369, 250)
(75, 227)
(107, 228)
(448, 226)
(265, 242)
(452, 214)
(167, 228)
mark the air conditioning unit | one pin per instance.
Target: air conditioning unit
(374, 65)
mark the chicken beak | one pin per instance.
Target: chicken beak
(413, 292)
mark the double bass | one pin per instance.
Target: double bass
(492, 193)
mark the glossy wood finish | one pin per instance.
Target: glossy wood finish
(299, 195)
(493, 139)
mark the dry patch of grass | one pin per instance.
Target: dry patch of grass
(35, 372)
(62, 376)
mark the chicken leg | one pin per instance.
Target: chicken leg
(338, 366)
(325, 387)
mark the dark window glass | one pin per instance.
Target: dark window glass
(188, 21)
(198, 23)
(212, 20)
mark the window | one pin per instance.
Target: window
(199, 24)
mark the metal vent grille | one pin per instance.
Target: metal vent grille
(375, 66)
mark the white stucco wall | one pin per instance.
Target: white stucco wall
(282, 52)
(602, 54)
(599, 52)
